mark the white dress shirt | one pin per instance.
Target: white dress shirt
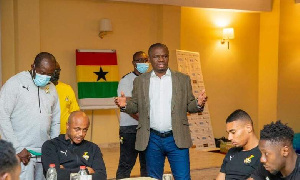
(160, 95)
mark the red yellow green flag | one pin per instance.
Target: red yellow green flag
(97, 74)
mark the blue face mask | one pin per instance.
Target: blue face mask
(142, 67)
(41, 80)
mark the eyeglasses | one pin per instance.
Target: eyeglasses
(157, 57)
(141, 60)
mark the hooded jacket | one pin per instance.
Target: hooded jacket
(60, 151)
(29, 115)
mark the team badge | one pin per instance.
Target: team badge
(248, 159)
(47, 90)
(121, 140)
(86, 156)
(67, 98)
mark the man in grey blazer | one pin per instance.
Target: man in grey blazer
(162, 98)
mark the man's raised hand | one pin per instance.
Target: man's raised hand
(121, 101)
(202, 98)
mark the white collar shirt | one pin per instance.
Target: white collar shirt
(160, 96)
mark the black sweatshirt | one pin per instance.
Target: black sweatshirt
(60, 151)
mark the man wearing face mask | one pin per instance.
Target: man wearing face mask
(67, 99)
(128, 123)
(30, 113)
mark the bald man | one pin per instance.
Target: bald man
(70, 151)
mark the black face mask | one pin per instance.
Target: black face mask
(55, 76)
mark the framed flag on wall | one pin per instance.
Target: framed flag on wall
(97, 74)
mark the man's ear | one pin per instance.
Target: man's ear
(285, 151)
(249, 128)
(5, 176)
(32, 70)
(33, 66)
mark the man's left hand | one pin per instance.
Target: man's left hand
(24, 156)
(91, 170)
(202, 98)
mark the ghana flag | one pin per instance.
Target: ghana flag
(97, 78)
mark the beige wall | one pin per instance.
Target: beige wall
(7, 39)
(243, 76)
(268, 65)
(62, 26)
(230, 75)
(289, 64)
(75, 25)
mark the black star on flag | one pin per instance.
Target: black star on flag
(101, 74)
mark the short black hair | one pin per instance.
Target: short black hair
(239, 114)
(156, 45)
(277, 132)
(8, 159)
(136, 54)
(43, 55)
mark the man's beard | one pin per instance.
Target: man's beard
(274, 172)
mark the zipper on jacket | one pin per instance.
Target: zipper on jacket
(39, 99)
(77, 159)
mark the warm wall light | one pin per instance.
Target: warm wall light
(228, 33)
(105, 27)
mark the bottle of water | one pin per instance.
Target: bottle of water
(82, 171)
(51, 173)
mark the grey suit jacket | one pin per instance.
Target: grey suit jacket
(183, 101)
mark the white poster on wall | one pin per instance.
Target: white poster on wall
(200, 123)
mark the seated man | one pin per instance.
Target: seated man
(278, 160)
(70, 151)
(10, 165)
(241, 160)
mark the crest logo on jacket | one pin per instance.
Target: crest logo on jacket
(47, 89)
(248, 159)
(86, 156)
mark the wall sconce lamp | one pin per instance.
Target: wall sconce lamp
(228, 33)
(105, 27)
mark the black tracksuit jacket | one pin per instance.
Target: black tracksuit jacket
(60, 151)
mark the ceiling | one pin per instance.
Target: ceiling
(247, 5)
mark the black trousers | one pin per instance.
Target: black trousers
(128, 153)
